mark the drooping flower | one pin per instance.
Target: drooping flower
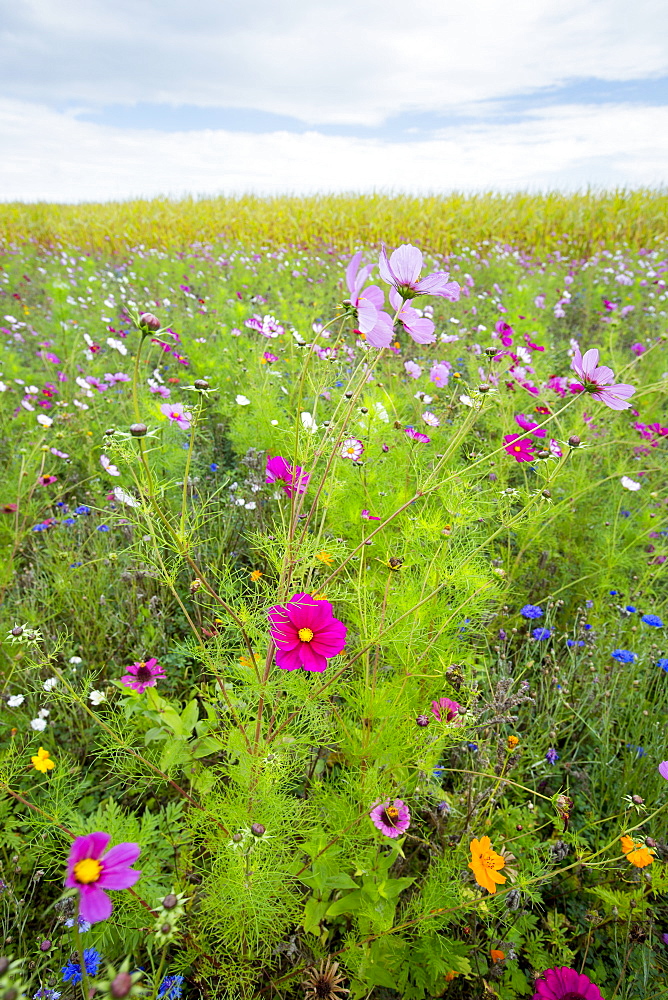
(92, 958)
(403, 271)
(623, 655)
(600, 380)
(565, 984)
(306, 633)
(445, 710)
(637, 854)
(392, 820)
(531, 611)
(177, 414)
(294, 479)
(91, 871)
(521, 448)
(143, 674)
(486, 864)
(351, 448)
(42, 761)
(652, 620)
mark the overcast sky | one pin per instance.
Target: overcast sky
(105, 99)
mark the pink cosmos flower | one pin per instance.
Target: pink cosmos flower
(412, 369)
(91, 872)
(505, 331)
(306, 633)
(445, 709)
(352, 448)
(519, 447)
(392, 820)
(565, 984)
(365, 514)
(294, 479)
(600, 381)
(143, 674)
(403, 271)
(108, 467)
(638, 349)
(418, 327)
(371, 321)
(663, 769)
(528, 425)
(431, 419)
(440, 374)
(416, 435)
(177, 414)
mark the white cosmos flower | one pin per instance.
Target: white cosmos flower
(16, 700)
(308, 423)
(97, 697)
(127, 499)
(243, 400)
(39, 725)
(629, 484)
(50, 683)
(44, 420)
(431, 419)
(118, 345)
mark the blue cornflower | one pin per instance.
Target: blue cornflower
(663, 663)
(84, 925)
(72, 971)
(74, 565)
(652, 620)
(589, 604)
(639, 751)
(103, 527)
(575, 642)
(542, 633)
(40, 527)
(82, 509)
(473, 747)
(60, 503)
(213, 467)
(170, 987)
(623, 655)
(613, 593)
(625, 513)
(552, 756)
(587, 628)
(69, 520)
(630, 608)
(46, 994)
(531, 611)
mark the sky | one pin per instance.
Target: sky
(114, 99)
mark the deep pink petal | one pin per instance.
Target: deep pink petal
(118, 878)
(406, 264)
(289, 659)
(124, 855)
(310, 659)
(90, 846)
(94, 904)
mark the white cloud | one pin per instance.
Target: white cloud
(52, 157)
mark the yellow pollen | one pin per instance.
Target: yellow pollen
(392, 813)
(87, 871)
(305, 634)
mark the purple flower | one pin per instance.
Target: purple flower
(371, 321)
(293, 478)
(392, 820)
(143, 674)
(412, 369)
(663, 771)
(416, 435)
(531, 611)
(638, 349)
(552, 756)
(445, 710)
(418, 327)
(306, 633)
(440, 374)
(177, 414)
(403, 271)
(600, 381)
(91, 871)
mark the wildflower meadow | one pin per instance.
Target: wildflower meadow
(333, 607)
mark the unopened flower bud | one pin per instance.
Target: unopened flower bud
(547, 494)
(483, 388)
(165, 928)
(422, 720)
(147, 321)
(201, 383)
(121, 985)
(574, 441)
(543, 453)
(17, 631)
(45, 945)
(170, 901)
(651, 842)
(109, 431)
(363, 409)
(348, 395)
(395, 563)
(138, 430)
(491, 352)
(257, 829)
(637, 800)
(237, 838)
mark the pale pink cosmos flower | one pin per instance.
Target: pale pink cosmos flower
(431, 419)
(108, 467)
(420, 328)
(412, 369)
(392, 820)
(177, 414)
(352, 448)
(440, 374)
(600, 380)
(403, 271)
(371, 321)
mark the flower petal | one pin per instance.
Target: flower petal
(94, 904)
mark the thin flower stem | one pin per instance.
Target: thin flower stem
(78, 945)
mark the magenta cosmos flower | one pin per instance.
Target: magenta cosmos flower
(91, 872)
(143, 674)
(520, 448)
(417, 435)
(306, 633)
(566, 984)
(445, 710)
(294, 479)
(177, 414)
(392, 820)
(600, 381)
(403, 271)
(371, 321)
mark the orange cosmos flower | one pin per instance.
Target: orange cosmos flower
(486, 864)
(497, 956)
(636, 854)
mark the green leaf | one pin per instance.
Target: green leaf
(189, 716)
(314, 911)
(350, 903)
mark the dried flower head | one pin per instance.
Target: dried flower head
(324, 981)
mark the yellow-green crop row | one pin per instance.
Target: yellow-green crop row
(538, 222)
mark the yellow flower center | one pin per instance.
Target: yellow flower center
(305, 634)
(87, 871)
(392, 813)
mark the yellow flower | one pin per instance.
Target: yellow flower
(319, 597)
(636, 853)
(512, 742)
(42, 761)
(255, 575)
(324, 557)
(485, 864)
